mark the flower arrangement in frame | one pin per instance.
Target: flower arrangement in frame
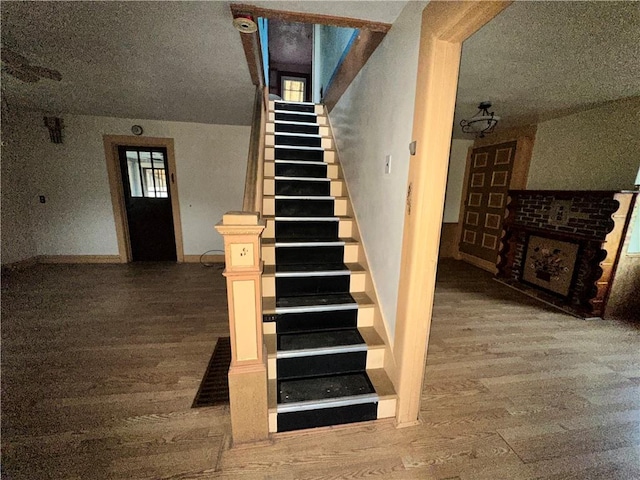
(550, 264)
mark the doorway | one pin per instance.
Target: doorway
(147, 203)
(144, 194)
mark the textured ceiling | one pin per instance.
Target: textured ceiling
(168, 60)
(539, 60)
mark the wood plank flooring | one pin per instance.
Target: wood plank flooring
(100, 364)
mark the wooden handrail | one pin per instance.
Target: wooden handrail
(254, 178)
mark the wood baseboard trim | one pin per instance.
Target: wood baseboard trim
(479, 262)
(27, 262)
(80, 259)
(206, 258)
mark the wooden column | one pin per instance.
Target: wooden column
(248, 370)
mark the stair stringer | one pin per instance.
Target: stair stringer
(379, 323)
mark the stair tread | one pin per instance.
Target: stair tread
(270, 270)
(315, 340)
(359, 298)
(323, 388)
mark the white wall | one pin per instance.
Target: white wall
(455, 179)
(374, 118)
(597, 149)
(17, 239)
(77, 218)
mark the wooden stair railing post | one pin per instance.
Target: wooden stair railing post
(242, 233)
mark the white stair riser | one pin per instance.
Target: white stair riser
(333, 171)
(323, 131)
(269, 141)
(270, 155)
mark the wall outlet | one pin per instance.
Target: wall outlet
(387, 165)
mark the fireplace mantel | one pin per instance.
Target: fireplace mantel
(563, 246)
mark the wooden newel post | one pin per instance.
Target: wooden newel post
(248, 370)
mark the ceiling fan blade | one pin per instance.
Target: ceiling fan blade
(22, 75)
(9, 57)
(45, 72)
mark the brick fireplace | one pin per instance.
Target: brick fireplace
(562, 246)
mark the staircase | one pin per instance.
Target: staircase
(325, 357)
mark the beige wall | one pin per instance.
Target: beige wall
(597, 149)
(374, 118)
(77, 218)
(17, 239)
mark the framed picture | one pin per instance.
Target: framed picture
(550, 264)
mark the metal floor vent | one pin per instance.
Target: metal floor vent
(214, 388)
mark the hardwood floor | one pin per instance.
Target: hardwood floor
(100, 364)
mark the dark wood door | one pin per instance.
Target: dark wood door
(148, 203)
(484, 207)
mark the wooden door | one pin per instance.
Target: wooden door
(148, 203)
(485, 203)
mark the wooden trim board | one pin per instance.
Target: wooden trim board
(111, 144)
(78, 259)
(289, 16)
(206, 258)
(445, 25)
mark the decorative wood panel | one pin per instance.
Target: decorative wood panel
(489, 175)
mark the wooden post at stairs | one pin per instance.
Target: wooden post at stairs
(248, 371)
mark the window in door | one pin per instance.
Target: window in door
(293, 89)
(147, 174)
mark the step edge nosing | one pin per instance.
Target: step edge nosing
(327, 403)
(310, 352)
(313, 273)
(334, 307)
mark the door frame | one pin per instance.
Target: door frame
(445, 25)
(111, 144)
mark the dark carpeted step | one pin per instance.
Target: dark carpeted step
(296, 128)
(314, 321)
(301, 255)
(298, 207)
(301, 169)
(319, 231)
(312, 340)
(311, 154)
(313, 285)
(295, 117)
(298, 140)
(295, 107)
(298, 187)
(338, 301)
(318, 365)
(311, 267)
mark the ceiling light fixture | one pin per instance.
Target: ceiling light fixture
(244, 23)
(482, 122)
